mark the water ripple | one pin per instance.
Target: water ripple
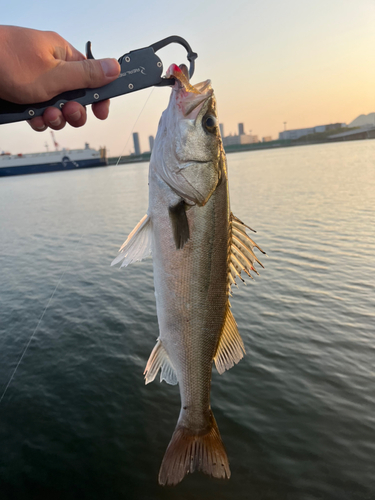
(296, 414)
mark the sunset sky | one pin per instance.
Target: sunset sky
(270, 61)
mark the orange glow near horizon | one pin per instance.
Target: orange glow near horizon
(269, 62)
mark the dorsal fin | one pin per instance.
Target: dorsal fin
(230, 349)
(242, 256)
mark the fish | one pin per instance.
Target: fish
(199, 249)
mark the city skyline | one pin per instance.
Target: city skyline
(252, 138)
(140, 138)
(297, 62)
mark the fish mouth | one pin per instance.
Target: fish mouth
(195, 104)
(181, 75)
(188, 96)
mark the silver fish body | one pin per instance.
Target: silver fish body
(198, 249)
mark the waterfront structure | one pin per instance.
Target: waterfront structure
(232, 140)
(241, 138)
(300, 132)
(137, 149)
(151, 141)
(268, 138)
(365, 132)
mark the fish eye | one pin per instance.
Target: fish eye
(209, 123)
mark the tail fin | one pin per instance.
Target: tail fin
(188, 452)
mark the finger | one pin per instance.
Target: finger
(74, 114)
(37, 124)
(54, 118)
(101, 109)
(89, 73)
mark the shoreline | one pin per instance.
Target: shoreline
(145, 157)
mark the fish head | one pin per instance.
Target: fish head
(188, 150)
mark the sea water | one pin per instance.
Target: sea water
(297, 414)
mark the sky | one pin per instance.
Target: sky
(270, 61)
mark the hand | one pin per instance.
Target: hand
(37, 65)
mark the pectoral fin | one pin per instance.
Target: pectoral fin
(138, 244)
(159, 360)
(180, 224)
(230, 349)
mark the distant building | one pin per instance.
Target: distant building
(221, 126)
(241, 129)
(137, 149)
(334, 126)
(233, 140)
(268, 138)
(300, 132)
(248, 139)
(151, 141)
(295, 134)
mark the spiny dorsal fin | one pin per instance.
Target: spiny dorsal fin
(180, 225)
(230, 349)
(242, 256)
(159, 359)
(137, 245)
(240, 223)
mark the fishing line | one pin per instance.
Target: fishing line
(135, 123)
(66, 267)
(36, 328)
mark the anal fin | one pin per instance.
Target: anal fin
(159, 360)
(230, 349)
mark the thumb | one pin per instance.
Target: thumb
(89, 73)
